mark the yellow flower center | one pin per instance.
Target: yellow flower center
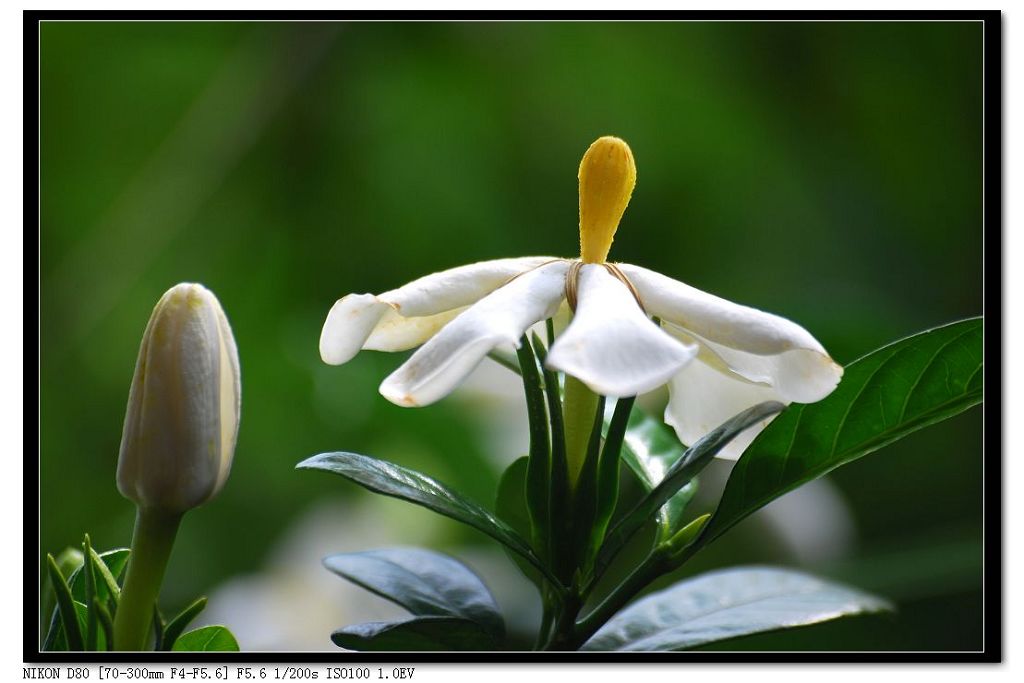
(607, 177)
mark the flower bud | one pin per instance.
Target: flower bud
(183, 408)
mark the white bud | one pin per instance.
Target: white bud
(183, 407)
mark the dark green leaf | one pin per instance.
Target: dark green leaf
(389, 479)
(883, 397)
(680, 473)
(585, 497)
(169, 634)
(510, 506)
(425, 582)
(727, 604)
(557, 492)
(207, 639)
(538, 478)
(649, 449)
(415, 635)
(65, 606)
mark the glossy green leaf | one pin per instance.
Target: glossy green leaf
(416, 635)
(649, 449)
(174, 628)
(681, 472)
(727, 604)
(389, 479)
(884, 396)
(207, 639)
(425, 582)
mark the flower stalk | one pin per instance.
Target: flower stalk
(151, 549)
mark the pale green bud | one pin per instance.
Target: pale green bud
(183, 408)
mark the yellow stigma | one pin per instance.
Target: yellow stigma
(607, 177)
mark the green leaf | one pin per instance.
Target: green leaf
(608, 470)
(510, 506)
(170, 633)
(558, 490)
(389, 479)
(88, 570)
(106, 623)
(207, 639)
(680, 473)
(884, 396)
(65, 606)
(425, 582)
(416, 635)
(108, 587)
(649, 449)
(727, 604)
(538, 479)
(114, 561)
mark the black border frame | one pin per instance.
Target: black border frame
(991, 302)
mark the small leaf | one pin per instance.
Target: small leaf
(425, 582)
(207, 639)
(884, 396)
(680, 473)
(727, 604)
(106, 623)
(169, 633)
(510, 506)
(65, 606)
(650, 448)
(107, 578)
(115, 561)
(389, 479)
(91, 625)
(416, 635)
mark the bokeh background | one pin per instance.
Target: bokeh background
(828, 172)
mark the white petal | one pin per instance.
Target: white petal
(799, 375)
(409, 314)
(718, 320)
(759, 346)
(499, 318)
(457, 287)
(395, 333)
(611, 345)
(348, 324)
(701, 398)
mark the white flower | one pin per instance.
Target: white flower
(717, 357)
(183, 406)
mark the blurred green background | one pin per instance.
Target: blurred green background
(828, 172)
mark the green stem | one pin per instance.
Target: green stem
(151, 548)
(580, 405)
